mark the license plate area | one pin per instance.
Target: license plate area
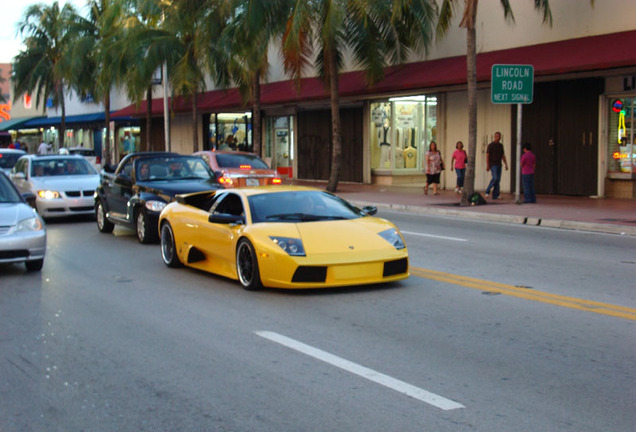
(251, 182)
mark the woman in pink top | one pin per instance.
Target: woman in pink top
(458, 163)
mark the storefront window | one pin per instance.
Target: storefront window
(231, 131)
(622, 135)
(400, 132)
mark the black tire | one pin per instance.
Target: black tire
(168, 247)
(103, 225)
(247, 266)
(35, 265)
(146, 231)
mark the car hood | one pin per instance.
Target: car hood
(359, 235)
(174, 187)
(73, 182)
(12, 213)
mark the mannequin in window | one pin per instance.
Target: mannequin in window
(385, 146)
(410, 156)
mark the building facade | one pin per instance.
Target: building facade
(580, 122)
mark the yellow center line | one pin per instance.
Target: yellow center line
(528, 294)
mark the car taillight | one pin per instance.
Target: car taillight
(225, 179)
(245, 166)
(277, 180)
(98, 159)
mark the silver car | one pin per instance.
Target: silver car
(22, 230)
(62, 185)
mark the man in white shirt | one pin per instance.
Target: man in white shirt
(43, 148)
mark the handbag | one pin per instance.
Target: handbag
(442, 166)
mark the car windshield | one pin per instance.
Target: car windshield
(172, 168)
(7, 160)
(300, 206)
(8, 194)
(61, 167)
(238, 160)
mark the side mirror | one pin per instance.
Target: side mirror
(29, 198)
(370, 210)
(109, 168)
(226, 218)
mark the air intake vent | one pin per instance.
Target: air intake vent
(310, 274)
(396, 267)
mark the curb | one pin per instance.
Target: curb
(503, 218)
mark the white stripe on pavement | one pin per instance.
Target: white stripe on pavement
(434, 236)
(370, 374)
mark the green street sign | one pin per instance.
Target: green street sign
(512, 84)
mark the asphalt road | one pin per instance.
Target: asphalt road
(500, 328)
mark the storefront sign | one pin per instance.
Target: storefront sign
(512, 84)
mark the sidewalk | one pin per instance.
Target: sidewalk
(614, 216)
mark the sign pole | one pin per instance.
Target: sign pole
(518, 163)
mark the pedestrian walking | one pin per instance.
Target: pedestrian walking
(528, 163)
(494, 157)
(433, 167)
(458, 163)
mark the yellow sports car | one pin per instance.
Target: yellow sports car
(281, 237)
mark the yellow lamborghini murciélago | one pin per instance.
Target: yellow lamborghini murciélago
(281, 237)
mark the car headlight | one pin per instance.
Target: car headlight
(29, 224)
(48, 194)
(292, 246)
(154, 205)
(393, 236)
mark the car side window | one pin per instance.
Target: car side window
(126, 170)
(21, 166)
(229, 204)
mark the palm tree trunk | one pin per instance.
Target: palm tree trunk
(148, 118)
(336, 141)
(60, 137)
(195, 124)
(471, 71)
(107, 115)
(256, 119)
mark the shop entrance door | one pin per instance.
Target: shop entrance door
(282, 160)
(562, 126)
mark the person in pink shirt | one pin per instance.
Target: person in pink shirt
(458, 163)
(528, 163)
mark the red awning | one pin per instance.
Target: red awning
(594, 53)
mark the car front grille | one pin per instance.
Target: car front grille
(4, 229)
(78, 193)
(10, 254)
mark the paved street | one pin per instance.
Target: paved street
(500, 327)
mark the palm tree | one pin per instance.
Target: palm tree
(468, 21)
(42, 68)
(376, 33)
(246, 39)
(97, 65)
(139, 18)
(185, 40)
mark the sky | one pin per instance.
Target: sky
(12, 11)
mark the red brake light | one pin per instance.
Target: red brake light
(277, 180)
(245, 166)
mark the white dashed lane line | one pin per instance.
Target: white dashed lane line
(377, 377)
(457, 239)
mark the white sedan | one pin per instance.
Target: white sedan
(62, 185)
